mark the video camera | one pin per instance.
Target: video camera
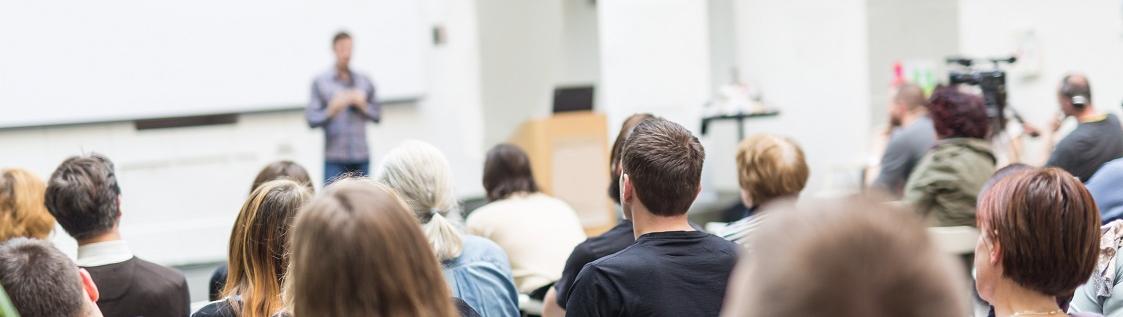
(991, 81)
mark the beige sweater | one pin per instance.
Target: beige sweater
(537, 231)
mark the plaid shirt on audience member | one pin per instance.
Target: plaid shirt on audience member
(345, 134)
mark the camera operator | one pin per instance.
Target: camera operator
(911, 136)
(1096, 140)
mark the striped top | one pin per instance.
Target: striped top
(741, 231)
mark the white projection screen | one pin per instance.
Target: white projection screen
(75, 61)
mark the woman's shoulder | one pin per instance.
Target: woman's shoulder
(479, 249)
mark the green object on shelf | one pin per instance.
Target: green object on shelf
(6, 308)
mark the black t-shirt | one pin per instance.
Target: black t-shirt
(1092, 144)
(612, 241)
(677, 273)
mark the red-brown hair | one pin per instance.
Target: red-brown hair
(1047, 226)
(956, 114)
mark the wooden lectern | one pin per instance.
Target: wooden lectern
(569, 157)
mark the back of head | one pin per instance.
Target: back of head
(1075, 89)
(357, 251)
(507, 171)
(853, 258)
(1047, 227)
(283, 170)
(957, 114)
(663, 162)
(22, 210)
(40, 280)
(770, 167)
(82, 195)
(420, 174)
(259, 245)
(911, 96)
(618, 146)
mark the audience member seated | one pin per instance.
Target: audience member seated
(41, 281)
(475, 268)
(22, 213)
(612, 241)
(850, 258)
(386, 268)
(1104, 186)
(84, 197)
(1039, 241)
(911, 136)
(1103, 293)
(768, 168)
(274, 171)
(946, 182)
(259, 253)
(1097, 139)
(672, 269)
(537, 231)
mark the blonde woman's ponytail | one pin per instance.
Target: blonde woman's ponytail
(444, 237)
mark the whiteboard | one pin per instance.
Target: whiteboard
(74, 61)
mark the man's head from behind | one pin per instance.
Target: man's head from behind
(341, 46)
(851, 258)
(1074, 94)
(662, 168)
(41, 281)
(82, 195)
(905, 99)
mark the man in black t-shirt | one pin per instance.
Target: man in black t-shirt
(671, 269)
(1097, 140)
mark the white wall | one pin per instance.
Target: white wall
(182, 187)
(655, 58)
(520, 54)
(527, 48)
(1083, 36)
(809, 58)
(131, 59)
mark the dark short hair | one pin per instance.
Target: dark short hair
(663, 160)
(82, 195)
(39, 279)
(339, 36)
(618, 146)
(1048, 227)
(956, 114)
(507, 171)
(283, 170)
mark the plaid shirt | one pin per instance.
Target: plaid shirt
(345, 134)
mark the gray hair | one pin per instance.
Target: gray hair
(421, 175)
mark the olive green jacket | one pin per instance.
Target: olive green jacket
(945, 184)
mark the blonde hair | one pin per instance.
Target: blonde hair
(259, 242)
(23, 212)
(420, 174)
(770, 167)
(357, 251)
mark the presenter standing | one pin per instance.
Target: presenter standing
(342, 102)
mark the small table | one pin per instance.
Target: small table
(740, 118)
